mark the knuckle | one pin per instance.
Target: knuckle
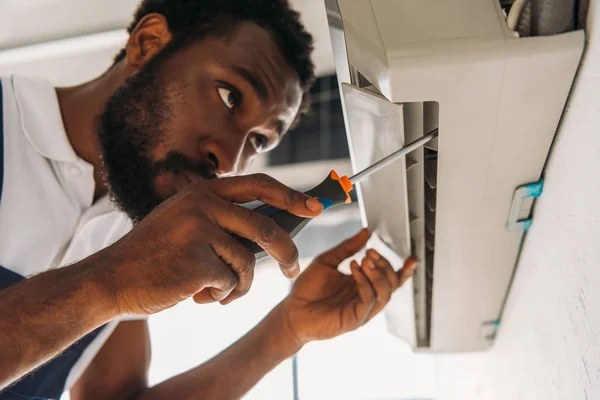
(268, 231)
(292, 197)
(262, 182)
(219, 241)
(242, 291)
(244, 264)
(186, 227)
(243, 286)
(382, 284)
(231, 281)
(247, 262)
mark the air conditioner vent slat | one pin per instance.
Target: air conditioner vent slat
(429, 240)
(431, 171)
(430, 196)
(410, 162)
(430, 216)
(430, 207)
(430, 227)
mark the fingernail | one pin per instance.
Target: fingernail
(314, 204)
(376, 255)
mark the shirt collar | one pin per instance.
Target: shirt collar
(41, 118)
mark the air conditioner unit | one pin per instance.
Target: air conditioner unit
(462, 203)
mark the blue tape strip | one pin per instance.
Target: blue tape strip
(534, 189)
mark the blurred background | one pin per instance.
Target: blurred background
(71, 41)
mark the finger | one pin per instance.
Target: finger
(362, 309)
(410, 264)
(260, 229)
(344, 250)
(385, 266)
(243, 189)
(238, 258)
(365, 290)
(221, 283)
(381, 286)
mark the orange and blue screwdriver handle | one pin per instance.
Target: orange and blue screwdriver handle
(333, 191)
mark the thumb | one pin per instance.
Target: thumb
(344, 250)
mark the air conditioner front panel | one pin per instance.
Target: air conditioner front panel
(376, 129)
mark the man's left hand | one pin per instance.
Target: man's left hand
(325, 303)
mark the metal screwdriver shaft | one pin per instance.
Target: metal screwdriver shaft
(394, 156)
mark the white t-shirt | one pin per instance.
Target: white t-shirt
(47, 215)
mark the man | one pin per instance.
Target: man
(200, 89)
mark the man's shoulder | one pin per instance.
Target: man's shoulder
(24, 86)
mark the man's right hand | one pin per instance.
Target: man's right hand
(184, 247)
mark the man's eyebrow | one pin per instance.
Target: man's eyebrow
(258, 86)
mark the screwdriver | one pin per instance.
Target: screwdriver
(333, 191)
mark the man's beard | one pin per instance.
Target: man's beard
(133, 123)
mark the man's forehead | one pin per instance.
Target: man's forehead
(254, 48)
(253, 53)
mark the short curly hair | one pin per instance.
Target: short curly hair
(190, 20)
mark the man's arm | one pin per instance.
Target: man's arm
(43, 315)
(119, 370)
(182, 249)
(323, 304)
(237, 369)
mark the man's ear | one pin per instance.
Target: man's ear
(148, 38)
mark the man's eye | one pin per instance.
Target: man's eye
(260, 142)
(228, 97)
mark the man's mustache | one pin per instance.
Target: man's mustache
(175, 161)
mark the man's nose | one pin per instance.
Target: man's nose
(225, 155)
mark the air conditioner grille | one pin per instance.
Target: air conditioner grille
(430, 166)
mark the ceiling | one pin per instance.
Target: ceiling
(68, 41)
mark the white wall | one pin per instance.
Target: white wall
(549, 342)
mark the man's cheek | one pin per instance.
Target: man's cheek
(246, 161)
(160, 150)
